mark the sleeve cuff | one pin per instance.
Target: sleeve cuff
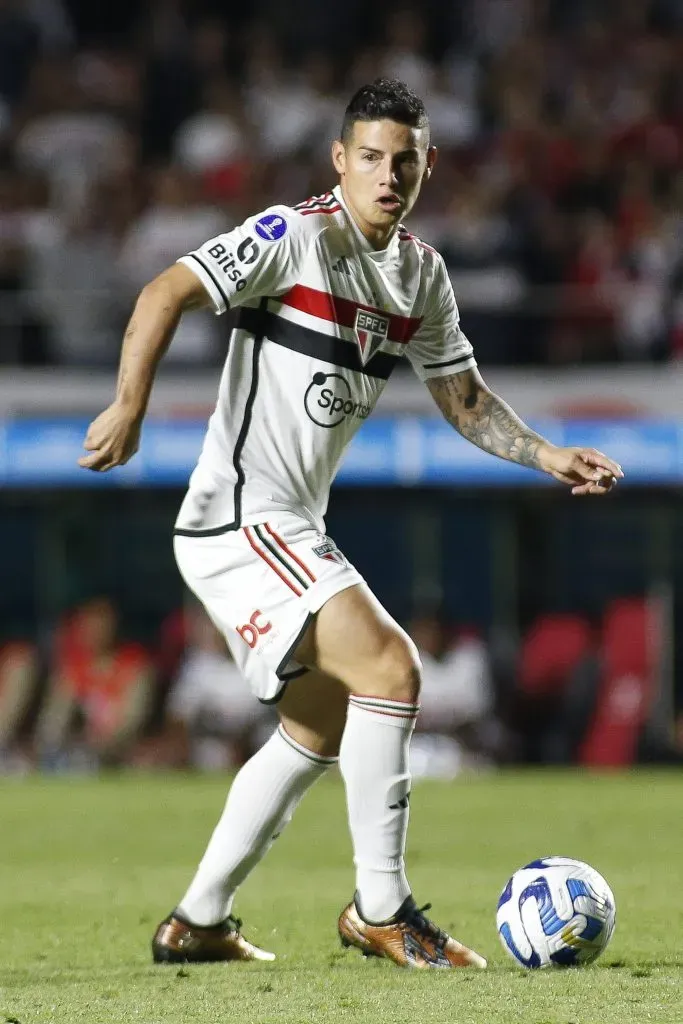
(192, 262)
(449, 366)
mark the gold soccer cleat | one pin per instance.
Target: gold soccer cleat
(409, 939)
(178, 942)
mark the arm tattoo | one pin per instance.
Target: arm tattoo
(485, 419)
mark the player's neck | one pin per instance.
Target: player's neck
(378, 238)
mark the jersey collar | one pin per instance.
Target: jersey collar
(377, 255)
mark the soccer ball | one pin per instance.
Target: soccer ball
(555, 912)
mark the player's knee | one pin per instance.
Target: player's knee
(398, 672)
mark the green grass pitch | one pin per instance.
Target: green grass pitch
(88, 867)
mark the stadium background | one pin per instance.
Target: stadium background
(130, 133)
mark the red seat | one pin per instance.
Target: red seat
(551, 650)
(630, 652)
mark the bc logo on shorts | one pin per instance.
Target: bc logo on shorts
(252, 630)
(271, 227)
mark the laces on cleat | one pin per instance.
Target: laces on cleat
(415, 918)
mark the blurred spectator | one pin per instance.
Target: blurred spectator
(53, 22)
(213, 719)
(74, 285)
(290, 110)
(456, 699)
(642, 310)
(65, 135)
(593, 279)
(19, 682)
(453, 119)
(405, 44)
(175, 222)
(99, 695)
(477, 242)
(215, 135)
(170, 78)
(215, 143)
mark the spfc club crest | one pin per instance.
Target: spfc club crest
(330, 552)
(371, 330)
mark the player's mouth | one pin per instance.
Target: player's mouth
(390, 203)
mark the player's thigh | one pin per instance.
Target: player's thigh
(354, 639)
(313, 712)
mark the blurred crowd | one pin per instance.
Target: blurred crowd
(131, 135)
(86, 698)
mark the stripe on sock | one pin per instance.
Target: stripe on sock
(315, 758)
(385, 706)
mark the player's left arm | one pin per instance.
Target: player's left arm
(487, 421)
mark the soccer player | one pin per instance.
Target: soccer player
(331, 294)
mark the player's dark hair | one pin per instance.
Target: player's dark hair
(384, 99)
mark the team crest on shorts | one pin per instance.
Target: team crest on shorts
(371, 330)
(330, 552)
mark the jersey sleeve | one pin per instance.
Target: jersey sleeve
(439, 346)
(263, 256)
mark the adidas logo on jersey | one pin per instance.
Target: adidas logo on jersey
(342, 266)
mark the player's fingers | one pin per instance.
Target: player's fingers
(604, 486)
(92, 461)
(99, 460)
(601, 461)
(580, 470)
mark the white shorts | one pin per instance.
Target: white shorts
(261, 585)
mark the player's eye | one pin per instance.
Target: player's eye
(371, 157)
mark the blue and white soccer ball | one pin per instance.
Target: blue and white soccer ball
(555, 912)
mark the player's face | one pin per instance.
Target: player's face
(382, 167)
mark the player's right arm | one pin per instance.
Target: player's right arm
(113, 437)
(263, 256)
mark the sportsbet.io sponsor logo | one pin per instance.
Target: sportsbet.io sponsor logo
(328, 401)
(271, 227)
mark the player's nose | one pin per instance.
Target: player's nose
(389, 175)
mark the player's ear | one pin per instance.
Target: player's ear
(339, 156)
(431, 160)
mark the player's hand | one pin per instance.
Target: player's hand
(586, 470)
(112, 439)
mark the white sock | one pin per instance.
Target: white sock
(373, 761)
(260, 803)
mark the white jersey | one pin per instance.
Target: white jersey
(322, 321)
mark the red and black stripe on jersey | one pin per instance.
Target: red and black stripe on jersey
(341, 311)
(326, 203)
(316, 344)
(405, 236)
